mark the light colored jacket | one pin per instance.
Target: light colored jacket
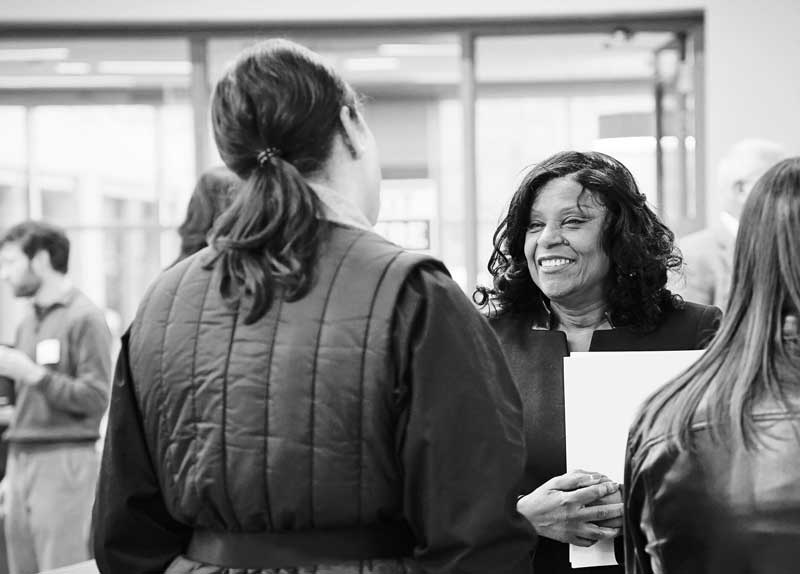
(708, 255)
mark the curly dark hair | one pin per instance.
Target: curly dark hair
(640, 247)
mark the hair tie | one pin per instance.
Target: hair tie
(265, 155)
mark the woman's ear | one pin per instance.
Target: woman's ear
(353, 134)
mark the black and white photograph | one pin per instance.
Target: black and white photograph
(419, 287)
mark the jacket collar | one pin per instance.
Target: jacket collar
(543, 318)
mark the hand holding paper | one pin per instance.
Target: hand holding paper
(596, 438)
(559, 509)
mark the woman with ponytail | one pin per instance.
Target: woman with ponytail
(303, 395)
(712, 473)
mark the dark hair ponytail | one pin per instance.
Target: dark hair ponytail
(278, 97)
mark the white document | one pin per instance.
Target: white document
(602, 394)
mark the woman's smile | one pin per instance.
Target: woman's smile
(553, 263)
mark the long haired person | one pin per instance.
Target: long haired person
(713, 467)
(303, 394)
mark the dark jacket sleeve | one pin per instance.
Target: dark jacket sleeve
(462, 448)
(133, 530)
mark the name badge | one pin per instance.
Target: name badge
(48, 352)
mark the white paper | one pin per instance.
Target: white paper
(602, 393)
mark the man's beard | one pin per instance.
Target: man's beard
(28, 286)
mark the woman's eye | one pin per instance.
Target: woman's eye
(535, 226)
(573, 221)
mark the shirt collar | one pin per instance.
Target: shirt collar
(62, 300)
(340, 209)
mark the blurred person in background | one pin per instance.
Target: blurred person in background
(580, 263)
(61, 366)
(712, 471)
(303, 394)
(212, 195)
(708, 253)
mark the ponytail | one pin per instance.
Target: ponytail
(275, 115)
(269, 239)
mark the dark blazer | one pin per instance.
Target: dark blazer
(535, 355)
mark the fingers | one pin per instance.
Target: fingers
(613, 523)
(612, 498)
(598, 513)
(589, 534)
(575, 479)
(584, 542)
(589, 494)
(595, 533)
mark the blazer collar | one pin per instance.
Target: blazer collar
(543, 319)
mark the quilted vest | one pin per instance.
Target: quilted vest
(288, 423)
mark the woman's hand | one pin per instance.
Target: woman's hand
(613, 498)
(560, 508)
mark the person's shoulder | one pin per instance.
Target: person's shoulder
(430, 277)
(81, 307)
(698, 242)
(190, 275)
(694, 321)
(502, 319)
(690, 310)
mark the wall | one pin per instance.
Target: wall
(752, 84)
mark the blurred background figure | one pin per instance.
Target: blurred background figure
(708, 253)
(61, 365)
(303, 404)
(712, 475)
(580, 264)
(212, 195)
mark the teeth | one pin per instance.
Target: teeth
(547, 263)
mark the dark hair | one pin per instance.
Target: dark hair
(35, 236)
(746, 358)
(211, 196)
(640, 247)
(277, 97)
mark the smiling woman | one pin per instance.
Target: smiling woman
(563, 244)
(580, 263)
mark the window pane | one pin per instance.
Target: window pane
(109, 129)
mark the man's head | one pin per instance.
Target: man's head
(741, 167)
(30, 254)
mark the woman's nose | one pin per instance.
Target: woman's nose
(551, 235)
